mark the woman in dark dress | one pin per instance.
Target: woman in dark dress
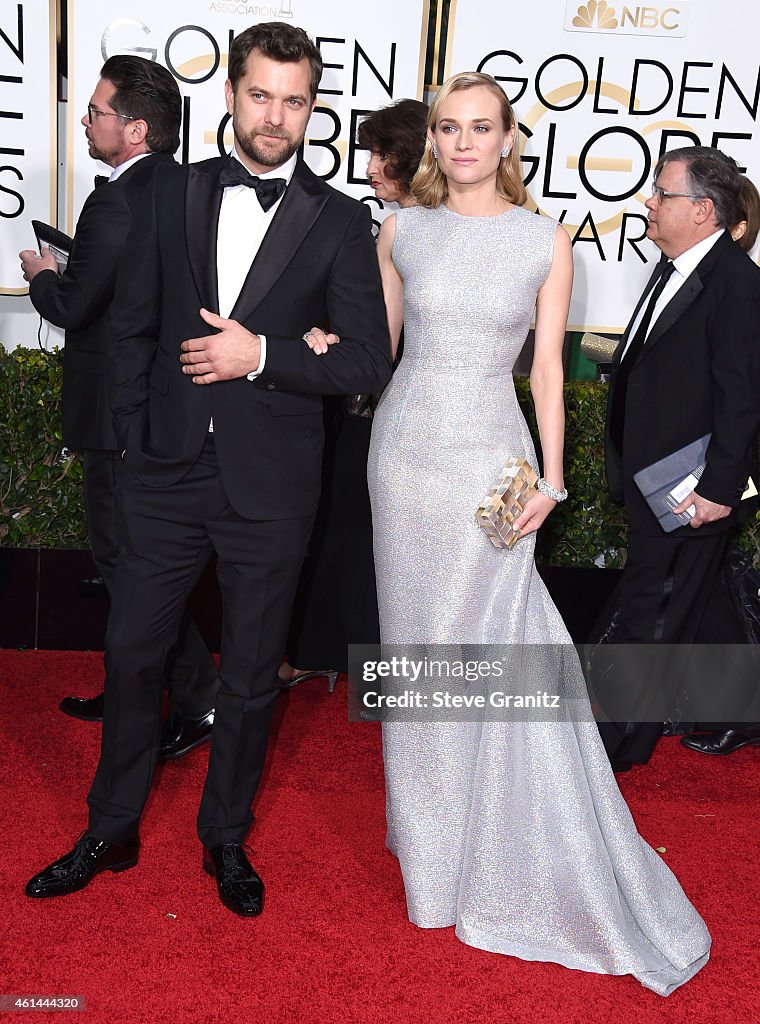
(336, 602)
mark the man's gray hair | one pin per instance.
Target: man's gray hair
(710, 175)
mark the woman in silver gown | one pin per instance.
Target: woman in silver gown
(515, 833)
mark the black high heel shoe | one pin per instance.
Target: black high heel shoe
(331, 675)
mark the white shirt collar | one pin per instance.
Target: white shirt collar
(688, 261)
(121, 168)
(283, 171)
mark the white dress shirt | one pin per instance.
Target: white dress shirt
(683, 266)
(121, 168)
(242, 227)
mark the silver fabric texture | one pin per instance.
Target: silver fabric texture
(515, 833)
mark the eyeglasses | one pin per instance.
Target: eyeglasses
(93, 112)
(661, 194)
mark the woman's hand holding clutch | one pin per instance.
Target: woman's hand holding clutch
(537, 508)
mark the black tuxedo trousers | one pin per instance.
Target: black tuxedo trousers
(190, 673)
(673, 596)
(168, 536)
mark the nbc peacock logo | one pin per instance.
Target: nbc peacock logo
(593, 13)
(652, 18)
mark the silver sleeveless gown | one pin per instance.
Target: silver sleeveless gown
(515, 833)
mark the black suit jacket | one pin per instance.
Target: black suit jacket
(317, 265)
(698, 372)
(79, 301)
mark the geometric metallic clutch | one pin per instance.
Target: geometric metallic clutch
(506, 501)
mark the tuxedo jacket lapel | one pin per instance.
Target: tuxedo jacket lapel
(677, 306)
(300, 206)
(203, 200)
(618, 353)
(686, 294)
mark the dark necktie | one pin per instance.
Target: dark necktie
(268, 190)
(630, 358)
(101, 179)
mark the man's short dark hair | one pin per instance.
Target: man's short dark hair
(710, 175)
(287, 44)
(397, 133)
(147, 91)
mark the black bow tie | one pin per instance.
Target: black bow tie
(268, 190)
(101, 179)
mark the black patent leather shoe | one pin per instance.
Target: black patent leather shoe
(181, 735)
(89, 709)
(77, 869)
(240, 888)
(723, 742)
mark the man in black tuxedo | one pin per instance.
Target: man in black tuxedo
(132, 124)
(219, 407)
(688, 365)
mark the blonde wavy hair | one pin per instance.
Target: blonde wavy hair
(429, 185)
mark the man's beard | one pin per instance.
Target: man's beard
(105, 156)
(100, 154)
(271, 156)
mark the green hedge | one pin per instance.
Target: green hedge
(41, 485)
(41, 500)
(589, 528)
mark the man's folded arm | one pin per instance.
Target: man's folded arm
(361, 363)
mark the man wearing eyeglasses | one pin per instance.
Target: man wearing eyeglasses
(687, 366)
(132, 124)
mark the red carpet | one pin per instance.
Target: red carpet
(333, 945)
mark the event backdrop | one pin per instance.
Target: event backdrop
(601, 89)
(369, 62)
(27, 130)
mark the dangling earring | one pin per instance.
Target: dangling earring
(435, 151)
(505, 152)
